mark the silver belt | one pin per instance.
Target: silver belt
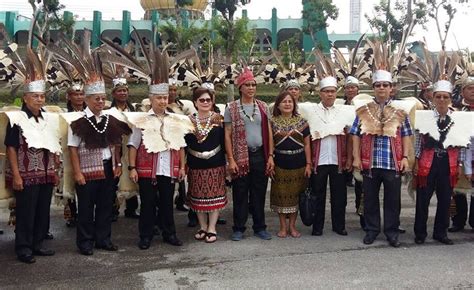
(289, 152)
(440, 152)
(205, 154)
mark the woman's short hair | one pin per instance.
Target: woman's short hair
(279, 99)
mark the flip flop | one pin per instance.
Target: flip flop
(210, 235)
(200, 235)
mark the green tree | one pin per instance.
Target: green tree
(243, 38)
(316, 13)
(48, 13)
(182, 37)
(392, 20)
(447, 7)
(290, 51)
(230, 31)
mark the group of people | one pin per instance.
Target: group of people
(297, 145)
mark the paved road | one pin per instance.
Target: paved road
(329, 261)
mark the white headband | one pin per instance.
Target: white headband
(159, 89)
(381, 76)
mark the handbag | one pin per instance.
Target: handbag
(307, 204)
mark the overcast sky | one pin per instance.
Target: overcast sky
(460, 33)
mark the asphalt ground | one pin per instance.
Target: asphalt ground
(328, 261)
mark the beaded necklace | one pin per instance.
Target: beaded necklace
(203, 131)
(95, 127)
(450, 124)
(253, 113)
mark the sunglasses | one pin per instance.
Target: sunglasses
(443, 97)
(250, 85)
(205, 100)
(379, 85)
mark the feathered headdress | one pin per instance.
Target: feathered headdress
(388, 64)
(467, 67)
(356, 69)
(86, 63)
(31, 72)
(158, 67)
(429, 69)
(325, 70)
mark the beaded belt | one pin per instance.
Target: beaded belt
(205, 154)
(289, 152)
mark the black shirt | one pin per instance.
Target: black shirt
(12, 136)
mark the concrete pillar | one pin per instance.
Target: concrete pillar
(96, 29)
(68, 16)
(184, 18)
(126, 18)
(155, 19)
(274, 29)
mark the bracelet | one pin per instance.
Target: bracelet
(181, 168)
(119, 164)
(130, 168)
(308, 163)
(271, 155)
(405, 157)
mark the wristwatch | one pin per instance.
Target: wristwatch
(119, 164)
(131, 167)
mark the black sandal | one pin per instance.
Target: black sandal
(202, 235)
(210, 235)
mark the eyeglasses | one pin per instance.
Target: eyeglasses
(206, 100)
(379, 85)
(442, 97)
(250, 85)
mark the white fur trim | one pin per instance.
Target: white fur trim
(42, 135)
(459, 134)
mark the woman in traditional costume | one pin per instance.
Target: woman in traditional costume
(292, 162)
(206, 163)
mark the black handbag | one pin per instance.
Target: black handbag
(307, 205)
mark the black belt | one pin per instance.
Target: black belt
(440, 152)
(255, 149)
(105, 161)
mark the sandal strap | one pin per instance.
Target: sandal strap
(210, 235)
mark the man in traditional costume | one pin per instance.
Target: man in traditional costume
(33, 145)
(94, 142)
(328, 124)
(120, 101)
(381, 140)
(75, 103)
(156, 156)
(462, 209)
(442, 133)
(247, 142)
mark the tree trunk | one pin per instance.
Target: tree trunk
(230, 92)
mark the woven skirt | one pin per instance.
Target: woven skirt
(206, 189)
(286, 187)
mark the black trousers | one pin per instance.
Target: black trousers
(32, 217)
(95, 207)
(391, 202)
(462, 209)
(131, 205)
(250, 189)
(438, 179)
(151, 193)
(338, 198)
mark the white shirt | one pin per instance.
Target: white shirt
(328, 150)
(163, 166)
(74, 140)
